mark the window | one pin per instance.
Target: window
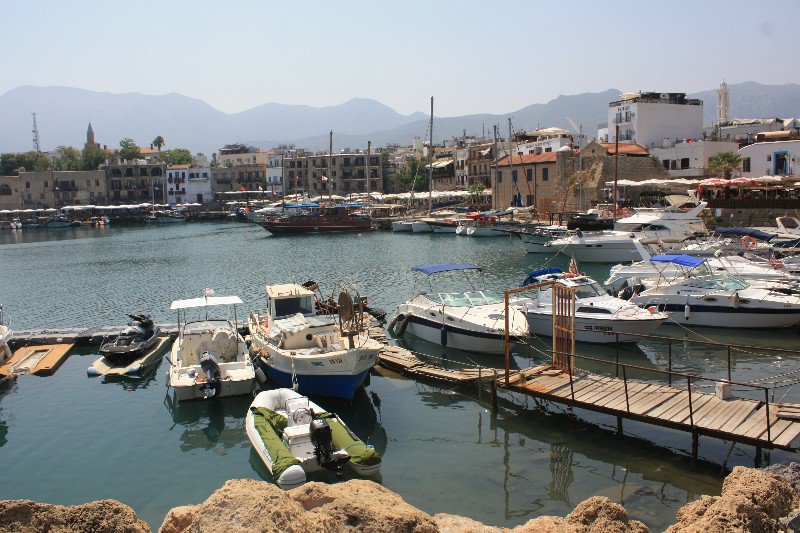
(116, 185)
(529, 176)
(45, 184)
(746, 164)
(116, 172)
(5, 190)
(96, 183)
(499, 176)
(684, 163)
(665, 164)
(72, 183)
(129, 184)
(514, 175)
(143, 171)
(529, 200)
(545, 174)
(88, 183)
(673, 165)
(769, 158)
(27, 184)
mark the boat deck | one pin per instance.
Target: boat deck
(41, 360)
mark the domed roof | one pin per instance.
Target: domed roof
(565, 148)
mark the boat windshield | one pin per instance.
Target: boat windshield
(469, 299)
(628, 226)
(725, 283)
(588, 290)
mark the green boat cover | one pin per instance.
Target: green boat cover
(270, 426)
(360, 453)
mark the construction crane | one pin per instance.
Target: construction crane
(35, 134)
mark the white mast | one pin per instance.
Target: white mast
(430, 163)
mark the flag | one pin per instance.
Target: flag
(324, 177)
(260, 189)
(573, 266)
(209, 292)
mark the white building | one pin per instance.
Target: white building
(653, 119)
(548, 140)
(690, 159)
(461, 168)
(274, 172)
(746, 129)
(779, 158)
(188, 184)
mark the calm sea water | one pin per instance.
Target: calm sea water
(69, 439)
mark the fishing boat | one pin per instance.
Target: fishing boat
(599, 317)
(482, 225)
(293, 436)
(315, 218)
(209, 358)
(471, 321)
(140, 335)
(694, 297)
(60, 221)
(170, 217)
(325, 355)
(6, 334)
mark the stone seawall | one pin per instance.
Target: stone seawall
(745, 217)
(751, 500)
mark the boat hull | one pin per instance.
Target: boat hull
(730, 317)
(421, 227)
(320, 384)
(483, 231)
(610, 252)
(457, 338)
(288, 229)
(401, 226)
(595, 331)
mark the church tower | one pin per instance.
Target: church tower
(90, 144)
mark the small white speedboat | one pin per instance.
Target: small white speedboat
(209, 358)
(294, 436)
(471, 321)
(599, 317)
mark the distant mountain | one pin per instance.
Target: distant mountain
(64, 112)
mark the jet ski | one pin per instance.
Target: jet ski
(140, 335)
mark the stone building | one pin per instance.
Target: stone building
(136, 182)
(550, 181)
(349, 173)
(479, 164)
(249, 177)
(53, 189)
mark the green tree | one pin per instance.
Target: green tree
(158, 142)
(129, 149)
(476, 193)
(725, 164)
(413, 175)
(176, 156)
(30, 161)
(68, 158)
(92, 158)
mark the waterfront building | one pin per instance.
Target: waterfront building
(545, 140)
(771, 158)
(189, 184)
(246, 177)
(136, 181)
(53, 189)
(653, 119)
(479, 163)
(241, 154)
(689, 159)
(461, 168)
(348, 172)
(745, 130)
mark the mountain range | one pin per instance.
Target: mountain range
(64, 112)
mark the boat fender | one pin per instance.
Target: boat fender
(735, 300)
(443, 336)
(687, 312)
(403, 325)
(213, 386)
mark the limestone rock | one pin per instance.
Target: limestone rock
(790, 472)
(104, 515)
(751, 500)
(449, 523)
(597, 514)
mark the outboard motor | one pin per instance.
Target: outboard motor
(322, 440)
(213, 385)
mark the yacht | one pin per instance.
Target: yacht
(209, 358)
(422, 225)
(648, 225)
(470, 321)
(5, 336)
(694, 297)
(536, 241)
(402, 225)
(599, 317)
(326, 355)
(315, 218)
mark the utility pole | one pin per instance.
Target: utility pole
(330, 165)
(430, 162)
(495, 187)
(616, 165)
(35, 134)
(369, 152)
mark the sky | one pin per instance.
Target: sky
(474, 57)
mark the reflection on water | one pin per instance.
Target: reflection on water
(62, 437)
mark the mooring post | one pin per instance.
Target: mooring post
(695, 446)
(729, 362)
(616, 353)
(757, 460)
(619, 425)
(493, 389)
(480, 384)
(669, 360)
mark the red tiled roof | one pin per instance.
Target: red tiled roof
(527, 159)
(626, 148)
(173, 167)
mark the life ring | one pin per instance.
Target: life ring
(624, 212)
(749, 242)
(605, 214)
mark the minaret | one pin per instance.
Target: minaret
(722, 103)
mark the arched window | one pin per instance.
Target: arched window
(156, 171)
(5, 190)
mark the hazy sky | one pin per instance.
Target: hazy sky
(487, 56)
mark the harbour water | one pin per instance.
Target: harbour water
(68, 438)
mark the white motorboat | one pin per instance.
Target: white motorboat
(59, 222)
(599, 317)
(6, 334)
(402, 225)
(700, 299)
(170, 217)
(471, 321)
(422, 226)
(535, 241)
(326, 355)
(785, 227)
(294, 436)
(647, 225)
(209, 357)
(446, 226)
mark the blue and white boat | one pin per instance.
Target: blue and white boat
(323, 355)
(472, 321)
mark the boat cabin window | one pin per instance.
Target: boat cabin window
(291, 306)
(588, 290)
(725, 283)
(789, 222)
(628, 226)
(595, 310)
(470, 299)
(656, 227)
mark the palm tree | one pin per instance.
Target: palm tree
(158, 142)
(725, 163)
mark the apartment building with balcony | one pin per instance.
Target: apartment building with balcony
(189, 184)
(348, 173)
(136, 181)
(52, 188)
(250, 177)
(653, 119)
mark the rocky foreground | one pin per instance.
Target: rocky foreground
(751, 500)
